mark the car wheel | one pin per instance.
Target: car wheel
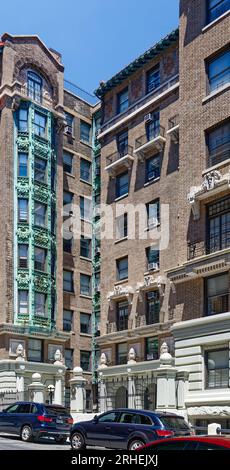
(26, 433)
(135, 444)
(77, 441)
(60, 439)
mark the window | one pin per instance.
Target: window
(23, 210)
(34, 87)
(218, 230)
(122, 101)
(69, 121)
(85, 247)
(67, 162)
(122, 143)
(217, 288)
(67, 245)
(68, 281)
(85, 208)
(153, 213)
(23, 120)
(39, 170)
(219, 71)
(39, 214)
(153, 307)
(152, 168)
(69, 358)
(152, 254)
(219, 144)
(151, 348)
(67, 320)
(22, 256)
(122, 268)
(122, 315)
(153, 127)
(85, 284)
(40, 259)
(122, 352)
(108, 417)
(153, 79)
(40, 304)
(85, 323)
(34, 352)
(122, 184)
(23, 302)
(217, 8)
(85, 360)
(88, 400)
(23, 164)
(85, 170)
(85, 131)
(217, 368)
(122, 226)
(40, 124)
(67, 198)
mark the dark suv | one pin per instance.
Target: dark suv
(33, 420)
(127, 429)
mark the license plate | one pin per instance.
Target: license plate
(59, 421)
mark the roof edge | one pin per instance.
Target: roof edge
(124, 73)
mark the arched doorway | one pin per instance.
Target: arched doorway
(150, 396)
(121, 398)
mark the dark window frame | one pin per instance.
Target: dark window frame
(122, 320)
(206, 353)
(121, 103)
(206, 298)
(153, 70)
(119, 191)
(212, 17)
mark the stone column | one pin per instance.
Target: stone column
(36, 388)
(20, 382)
(131, 389)
(182, 388)
(166, 381)
(77, 390)
(102, 394)
(58, 387)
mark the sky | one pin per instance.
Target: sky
(96, 38)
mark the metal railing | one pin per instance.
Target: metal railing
(148, 137)
(127, 150)
(173, 121)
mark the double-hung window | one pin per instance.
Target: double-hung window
(85, 132)
(40, 124)
(122, 315)
(85, 284)
(218, 226)
(67, 320)
(122, 268)
(85, 323)
(23, 120)
(69, 121)
(39, 170)
(122, 143)
(35, 350)
(153, 213)
(23, 210)
(122, 101)
(68, 281)
(23, 164)
(40, 304)
(219, 71)
(39, 214)
(85, 170)
(23, 296)
(217, 294)
(34, 87)
(217, 368)
(23, 256)
(122, 184)
(67, 162)
(85, 247)
(218, 144)
(85, 208)
(153, 78)
(152, 168)
(153, 127)
(153, 307)
(122, 353)
(217, 8)
(40, 259)
(85, 359)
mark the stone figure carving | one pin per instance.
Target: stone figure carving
(20, 353)
(210, 179)
(58, 358)
(103, 361)
(165, 357)
(209, 411)
(132, 356)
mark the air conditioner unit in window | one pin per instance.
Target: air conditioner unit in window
(68, 130)
(153, 266)
(148, 117)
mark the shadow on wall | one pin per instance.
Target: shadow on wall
(193, 12)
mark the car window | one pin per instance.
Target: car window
(209, 446)
(127, 418)
(24, 408)
(12, 409)
(176, 445)
(108, 418)
(56, 410)
(143, 419)
(174, 422)
(34, 409)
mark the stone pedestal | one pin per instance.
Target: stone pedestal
(182, 388)
(166, 388)
(58, 387)
(77, 390)
(36, 388)
(131, 390)
(20, 382)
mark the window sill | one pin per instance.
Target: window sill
(121, 197)
(218, 165)
(120, 240)
(88, 221)
(86, 296)
(86, 182)
(86, 143)
(151, 271)
(123, 281)
(214, 22)
(148, 229)
(84, 258)
(71, 292)
(216, 92)
(86, 335)
(69, 174)
(152, 181)
(88, 372)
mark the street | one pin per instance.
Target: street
(14, 443)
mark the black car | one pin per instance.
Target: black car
(127, 429)
(31, 420)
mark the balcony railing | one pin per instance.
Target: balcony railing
(220, 154)
(214, 243)
(156, 138)
(116, 156)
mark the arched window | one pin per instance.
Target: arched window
(34, 86)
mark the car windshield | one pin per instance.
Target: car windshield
(56, 410)
(174, 422)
